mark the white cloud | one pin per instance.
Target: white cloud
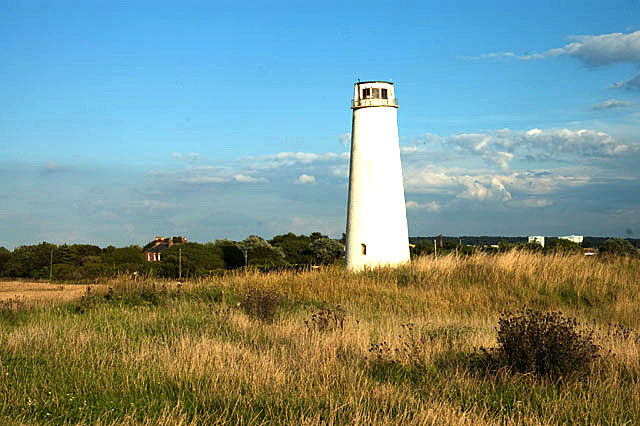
(593, 50)
(206, 175)
(501, 147)
(345, 139)
(304, 178)
(176, 155)
(612, 103)
(453, 181)
(432, 206)
(633, 84)
(484, 186)
(341, 171)
(287, 159)
(248, 179)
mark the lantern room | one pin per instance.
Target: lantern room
(374, 94)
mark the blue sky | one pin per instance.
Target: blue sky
(120, 121)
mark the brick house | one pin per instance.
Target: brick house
(152, 253)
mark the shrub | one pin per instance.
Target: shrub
(261, 304)
(11, 309)
(618, 247)
(547, 344)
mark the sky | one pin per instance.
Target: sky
(120, 121)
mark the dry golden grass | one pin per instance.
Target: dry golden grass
(42, 291)
(186, 354)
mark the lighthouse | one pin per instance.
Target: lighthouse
(377, 233)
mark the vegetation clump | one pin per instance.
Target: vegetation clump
(547, 344)
(618, 247)
(11, 309)
(261, 304)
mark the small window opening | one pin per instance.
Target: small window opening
(366, 93)
(375, 93)
(363, 248)
(383, 93)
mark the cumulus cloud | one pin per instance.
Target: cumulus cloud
(453, 181)
(484, 186)
(176, 155)
(432, 206)
(592, 50)
(304, 178)
(612, 103)
(501, 147)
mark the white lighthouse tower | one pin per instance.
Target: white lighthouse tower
(377, 233)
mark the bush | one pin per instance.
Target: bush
(618, 247)
(261, 304)
(547, 344)
(559, 245)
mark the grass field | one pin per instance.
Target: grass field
(379, 347)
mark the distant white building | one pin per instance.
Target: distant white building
(538, 239)
(573, 238)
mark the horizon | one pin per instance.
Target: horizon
(142, 244)
(119, 122)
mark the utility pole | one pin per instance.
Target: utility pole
(180, 263)
(435, 248)
(51, 266)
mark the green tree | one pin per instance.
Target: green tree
(326, 250)
(30, 261)
(81, 251)
(233, 257)
(131, 255)
(295, 248)
(558, 245)
(618, 247)
(258, 252)
(5, 255)
(197, 260)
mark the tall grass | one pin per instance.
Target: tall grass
(163, 353)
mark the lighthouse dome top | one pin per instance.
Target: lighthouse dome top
(374, 94)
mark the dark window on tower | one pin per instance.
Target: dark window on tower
(375, 93)
(366, 93)
(363, 249)
(383, 93)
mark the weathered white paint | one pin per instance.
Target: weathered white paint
(376, 216)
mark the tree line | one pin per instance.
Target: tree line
(85, 261)
(605, 246)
